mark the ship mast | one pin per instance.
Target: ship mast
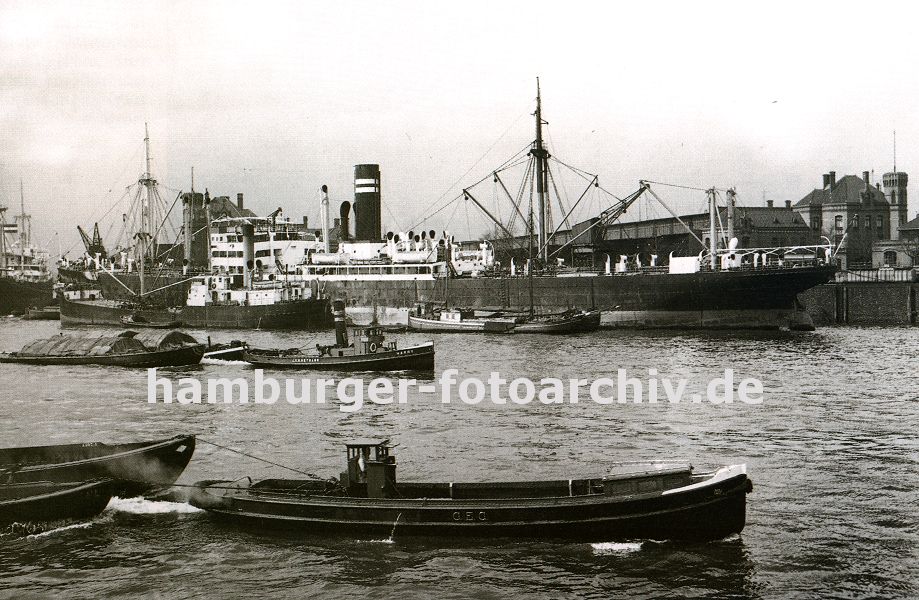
(712, 239)
(541, 155)
(2, 241)
(148, 182)
(22, 231)
(187, 224)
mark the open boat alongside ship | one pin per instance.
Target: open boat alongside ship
(659, 501)
(44, 313)
(136, 320)
(456, 321)
(136, 468)
(500, 321)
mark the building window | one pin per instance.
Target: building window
(880, 223)
(867, 221)
(839, 223)
(855, 222)
(890, 258)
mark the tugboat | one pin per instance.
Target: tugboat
(656, 501)
(369, 352)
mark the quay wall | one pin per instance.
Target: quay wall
(867, 303)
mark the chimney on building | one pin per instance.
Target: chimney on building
(826, 180)
(305, 222)
(239, 200)
(788, 204)
(769, 203)
(865, 175)
(832, 179)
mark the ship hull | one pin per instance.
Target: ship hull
(742, 299)
(298, 314)
(17, 296)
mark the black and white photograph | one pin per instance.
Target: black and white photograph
(511, 300)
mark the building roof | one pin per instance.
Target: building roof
(847, 190)
(910, 225)
(222, 206)
(765, 217)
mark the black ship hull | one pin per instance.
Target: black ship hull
(17, 296)
(738, 299)
(136, 467)
(44, 502)
(741, 299)
(297, 314)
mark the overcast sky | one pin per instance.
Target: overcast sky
(274, 99)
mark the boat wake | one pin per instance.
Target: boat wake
(56, 530)
(217, 361)
(612, 548)
(142, 506)
(392, 535)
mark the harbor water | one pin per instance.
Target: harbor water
(832, 452)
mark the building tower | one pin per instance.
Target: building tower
(895, 190)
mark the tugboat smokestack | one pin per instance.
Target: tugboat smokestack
(341, 328)
(324, 210)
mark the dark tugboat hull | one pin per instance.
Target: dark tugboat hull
(45, 502)
(417, 358)
(175, 357)
(696, 512)
(136, 468)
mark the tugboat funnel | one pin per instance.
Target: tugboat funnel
(341, 328)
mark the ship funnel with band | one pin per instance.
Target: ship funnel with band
(341, 328)
(367, 207)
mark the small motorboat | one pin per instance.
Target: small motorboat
(44, 313)
(368, 352)
(456, 320)
(137, 468)
(127, 349)
(233, 350)
(45, 502)
(654, 501)
(137, 320)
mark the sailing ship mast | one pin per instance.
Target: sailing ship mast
(541, 155)
(22, 230)
(145, 230)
